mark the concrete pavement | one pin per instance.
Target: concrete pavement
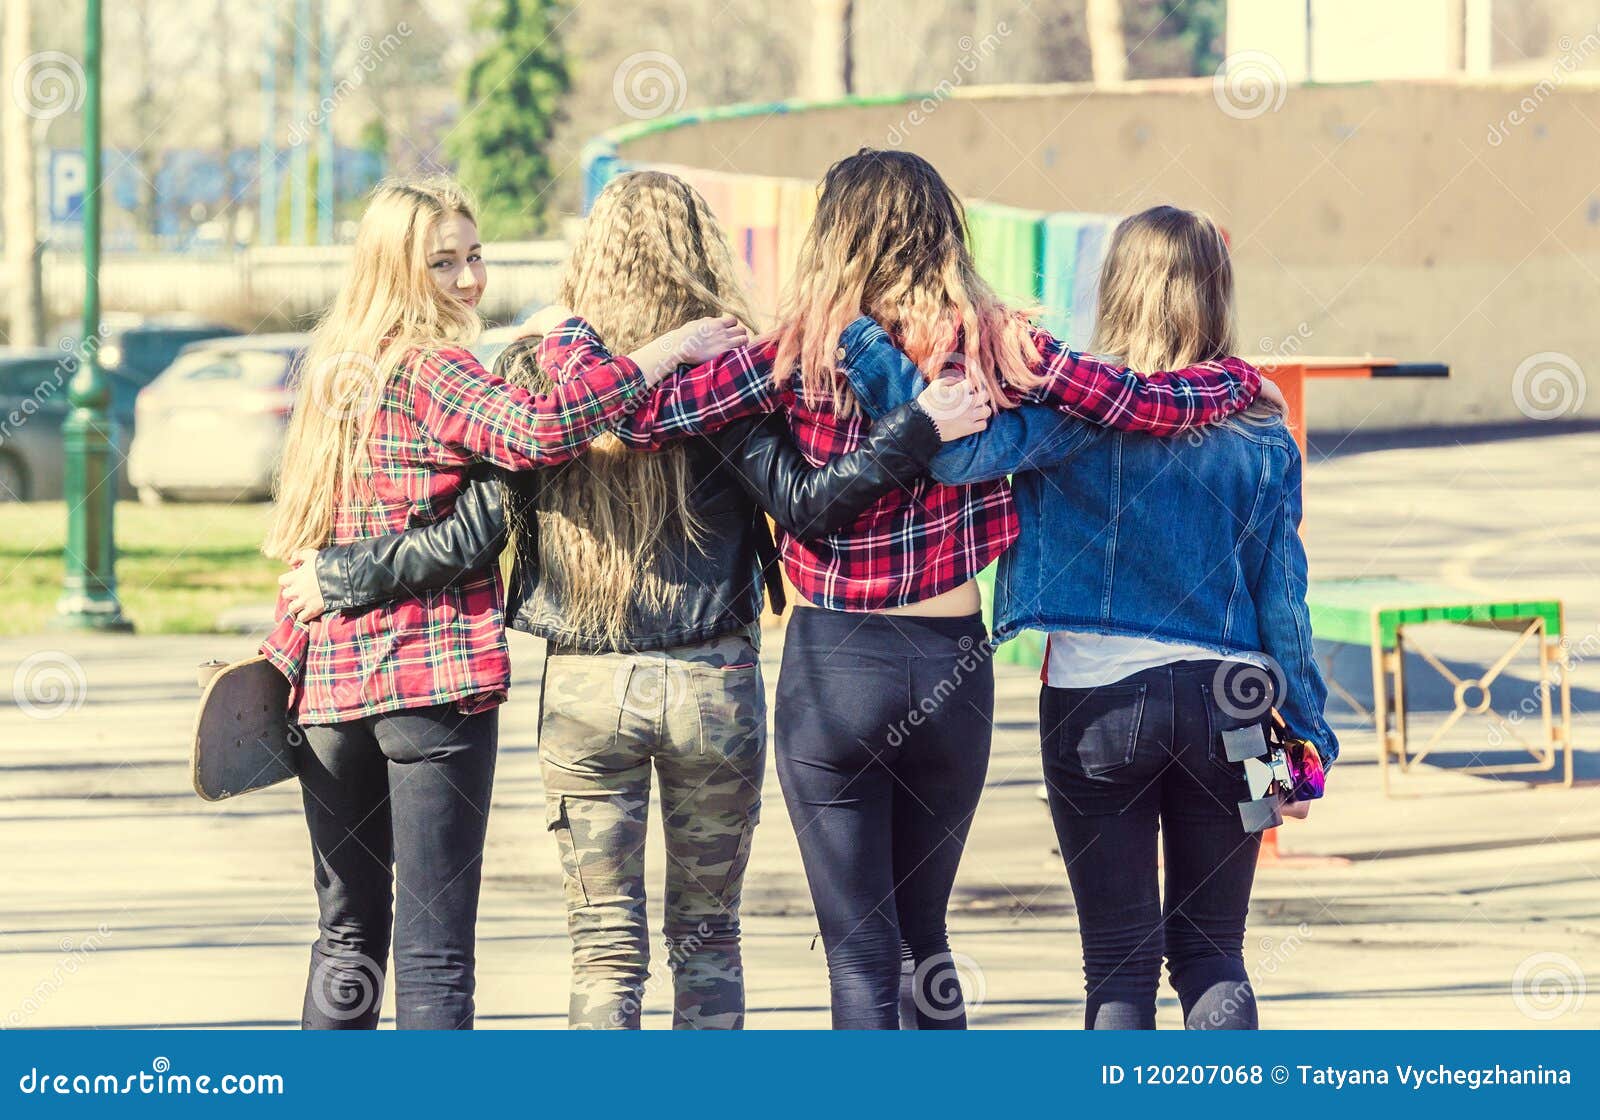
(126, 901)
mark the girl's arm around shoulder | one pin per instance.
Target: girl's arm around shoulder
(1163, 404)
(464, 406)
(725, 384)
(467, 408)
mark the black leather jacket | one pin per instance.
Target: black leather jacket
(747, 467)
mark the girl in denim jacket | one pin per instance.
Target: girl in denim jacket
(1170, 577)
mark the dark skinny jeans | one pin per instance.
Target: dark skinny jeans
(882, 740)
(1122, 763)
(400, 799)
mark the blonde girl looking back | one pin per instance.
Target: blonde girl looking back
(398, 703)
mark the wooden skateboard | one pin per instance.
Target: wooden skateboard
(243, 739)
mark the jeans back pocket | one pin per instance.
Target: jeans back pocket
(1097, 729)
(1225, 718)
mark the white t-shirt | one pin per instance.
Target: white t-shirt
(1074, 659)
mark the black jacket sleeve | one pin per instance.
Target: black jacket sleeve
(812, 501)
(400, 565)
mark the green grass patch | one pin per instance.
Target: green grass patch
(178, 566)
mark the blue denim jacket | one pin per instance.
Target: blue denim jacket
(1193, 539)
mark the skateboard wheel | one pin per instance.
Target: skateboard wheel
(206, 670)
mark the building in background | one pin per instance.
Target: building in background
(1363, 40)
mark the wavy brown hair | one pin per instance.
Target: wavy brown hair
(890, 240)
(650, 258)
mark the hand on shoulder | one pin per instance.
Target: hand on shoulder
(1272, 395)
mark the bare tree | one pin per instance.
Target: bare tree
(911, 45)
(1108, 53)
(146, 70)
(754, 50)
(25, 301)
(223, 35)
(410, 91)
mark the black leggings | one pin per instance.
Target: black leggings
(397, 799)
(882, 737)
(1121, 763)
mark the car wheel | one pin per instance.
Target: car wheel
(13, 479)
(150, 496)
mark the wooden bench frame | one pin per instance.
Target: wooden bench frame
(1538, 622)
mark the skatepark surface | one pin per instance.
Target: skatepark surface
(125, 901)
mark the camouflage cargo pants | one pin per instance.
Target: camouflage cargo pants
(698, 715)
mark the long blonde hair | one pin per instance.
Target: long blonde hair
(651, 257)
(1166, 292)
(1166, 296)
(890, 241)
(388, 308)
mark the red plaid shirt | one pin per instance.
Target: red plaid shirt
(438, 415)
(918, 541)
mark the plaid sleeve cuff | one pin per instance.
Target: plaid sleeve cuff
(286, 648)
(570, 332)
(574, 347)
(630, 378)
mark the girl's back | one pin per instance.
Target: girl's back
(1148, 536)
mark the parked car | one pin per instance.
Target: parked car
(134, 349)
(33, 406)
(212, 425)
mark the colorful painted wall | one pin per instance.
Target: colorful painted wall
(1450, 221)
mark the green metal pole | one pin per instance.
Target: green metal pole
(89, 589)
